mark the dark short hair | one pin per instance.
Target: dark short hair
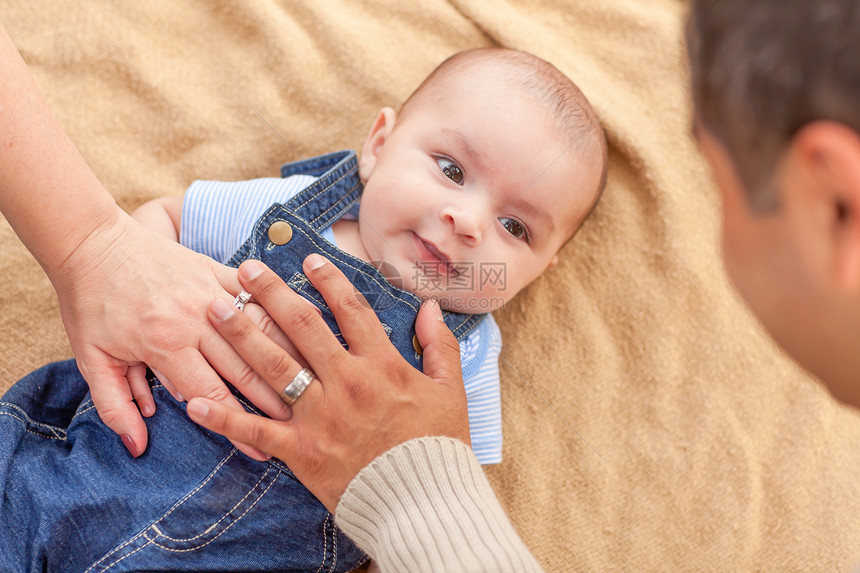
(760, 70)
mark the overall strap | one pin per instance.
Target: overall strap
(334, 194)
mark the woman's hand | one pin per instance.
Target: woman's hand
(362, 402)
(130, 297)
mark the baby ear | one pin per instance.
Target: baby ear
(379, 132)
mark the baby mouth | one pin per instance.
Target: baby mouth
(442, 259)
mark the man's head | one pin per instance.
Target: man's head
(776, 92)
(487, 170)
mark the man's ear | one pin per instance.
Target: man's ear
(379, 132)
(829, 159)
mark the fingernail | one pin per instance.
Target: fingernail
(198, 409)
(148, 410)
(222, 309)
(251, 269)
(313, 306)
(179, 396)
(130, 445)
(159, 375)
(433, 305)
(314, 261)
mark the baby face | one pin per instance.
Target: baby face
(470, 193)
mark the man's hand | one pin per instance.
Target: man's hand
(362, 402)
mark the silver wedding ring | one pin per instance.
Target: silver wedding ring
(241, 299)
(298, 385)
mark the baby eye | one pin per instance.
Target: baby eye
(451, 170)
(514, 227)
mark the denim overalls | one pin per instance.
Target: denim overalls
(74, 500)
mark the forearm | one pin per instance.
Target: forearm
(426, 506)
(159, 216)
(47, 192)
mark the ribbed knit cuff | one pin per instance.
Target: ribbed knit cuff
(426, 505)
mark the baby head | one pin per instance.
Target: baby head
(482, 176)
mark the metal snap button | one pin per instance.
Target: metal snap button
(280, 232)
(417, 345)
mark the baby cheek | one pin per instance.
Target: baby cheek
(493, 284)
(492, 300)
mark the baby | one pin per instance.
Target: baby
(465, 195)
(468, 193)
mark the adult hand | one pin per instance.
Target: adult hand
(127, 295)
(363, 401)
(130, 297)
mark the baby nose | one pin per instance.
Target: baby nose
(466, 222)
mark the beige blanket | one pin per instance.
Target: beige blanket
(649, 423)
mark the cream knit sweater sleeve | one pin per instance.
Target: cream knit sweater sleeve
(426, 505)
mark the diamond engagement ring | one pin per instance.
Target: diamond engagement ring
(240, 300)
(298, 385)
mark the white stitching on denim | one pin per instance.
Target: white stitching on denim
(58, 433)
(28, 430)
(297, 281)
(333, 544)
(323, 189)
(373, 279)
(109, 565)
(171, 510)
(340, 204)
(249, 508)
(84, 411)
(348, 161)
(325, 545)
(223, 517)
(160, 546)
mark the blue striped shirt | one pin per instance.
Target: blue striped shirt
(217, 217)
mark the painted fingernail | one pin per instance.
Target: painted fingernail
(130, 445)
(313, 306)
(160, 376)
(314, 261)
(222, 309)
(251, 269)
(198, 409)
